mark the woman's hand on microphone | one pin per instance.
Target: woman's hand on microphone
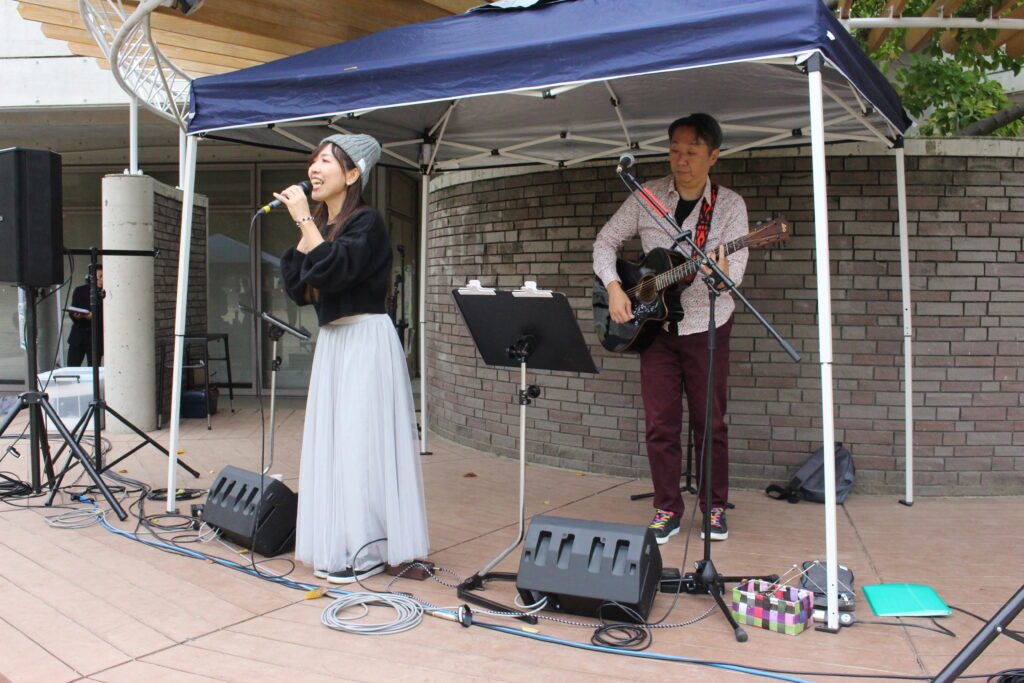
(295, 199)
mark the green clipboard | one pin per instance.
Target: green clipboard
(905, 600)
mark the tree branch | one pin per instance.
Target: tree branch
(992, 123)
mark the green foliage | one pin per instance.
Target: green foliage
(944, 92)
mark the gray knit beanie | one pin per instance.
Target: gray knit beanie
(363, 150)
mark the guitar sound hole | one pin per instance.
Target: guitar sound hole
(648, 292)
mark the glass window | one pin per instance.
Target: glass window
(228, 285)
(279, 233)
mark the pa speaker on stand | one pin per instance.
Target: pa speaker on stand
(31, 219)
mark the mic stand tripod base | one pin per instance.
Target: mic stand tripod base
(706, 580)
(477, 582)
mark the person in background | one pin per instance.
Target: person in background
(80, 339)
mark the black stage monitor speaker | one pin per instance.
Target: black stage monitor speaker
(31, 219)
(231, 507)
(580, 565)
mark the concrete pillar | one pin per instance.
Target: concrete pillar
(128, 327)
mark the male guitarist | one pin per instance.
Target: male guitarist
(676, 361)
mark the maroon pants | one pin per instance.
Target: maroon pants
(671, 366)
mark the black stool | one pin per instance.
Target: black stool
(202, 363)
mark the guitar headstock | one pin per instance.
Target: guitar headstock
(768, 232)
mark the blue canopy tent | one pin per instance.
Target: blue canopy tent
(561, 82)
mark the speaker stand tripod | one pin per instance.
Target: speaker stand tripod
(98, 406)
(38, 405)
(512, 329)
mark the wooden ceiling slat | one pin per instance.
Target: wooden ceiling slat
(1015, 44)
(1005, 6)
(92, 50)
(1008, 36)
(173, 52)
(376, 15)
(63, 20)
(295, 29)
(461, 6)
(917, 37)
(877, 35)
(271, 43)
(179, 24)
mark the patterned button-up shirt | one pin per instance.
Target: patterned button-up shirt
(728, 223)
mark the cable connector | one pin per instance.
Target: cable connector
(463, 616)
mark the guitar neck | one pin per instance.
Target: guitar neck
(685, 270)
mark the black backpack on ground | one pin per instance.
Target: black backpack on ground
(808, 482)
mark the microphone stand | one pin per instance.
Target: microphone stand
(276, 329)
(705, 577)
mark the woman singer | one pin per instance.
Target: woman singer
(360, 486)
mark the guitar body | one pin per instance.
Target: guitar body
(654, 286)
(651, 307)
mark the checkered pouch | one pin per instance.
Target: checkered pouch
(783, 609)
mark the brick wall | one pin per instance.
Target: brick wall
(167, 238)
(966, 216)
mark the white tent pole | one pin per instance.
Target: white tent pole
(188, 176)
(824, 331)
(424, 212)
(133, 136)
(183, 159)
(908, 327)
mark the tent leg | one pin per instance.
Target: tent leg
(424, 213)
(908, 328)
(814, 65)
(188, 177)
(133, 136)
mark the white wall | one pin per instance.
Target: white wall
(37, 71)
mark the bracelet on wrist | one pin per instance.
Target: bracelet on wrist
(303, 220)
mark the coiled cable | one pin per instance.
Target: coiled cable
(409, 613)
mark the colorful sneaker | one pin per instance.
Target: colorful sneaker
(321, 573)
(717, 525)
(350, 576)
(665, 525)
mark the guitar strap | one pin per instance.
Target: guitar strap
(707, 209)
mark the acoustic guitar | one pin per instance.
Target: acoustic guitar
(654, 287)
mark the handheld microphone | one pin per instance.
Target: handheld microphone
(305, 185)
(626, 161)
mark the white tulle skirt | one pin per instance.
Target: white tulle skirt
(360, 476)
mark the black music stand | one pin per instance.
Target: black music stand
(510, 329)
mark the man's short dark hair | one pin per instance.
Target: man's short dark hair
(704, 125)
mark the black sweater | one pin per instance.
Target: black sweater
(350, 272)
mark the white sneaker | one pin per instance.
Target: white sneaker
(350, 576)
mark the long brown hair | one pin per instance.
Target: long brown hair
(352, 204)
(353, 197)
